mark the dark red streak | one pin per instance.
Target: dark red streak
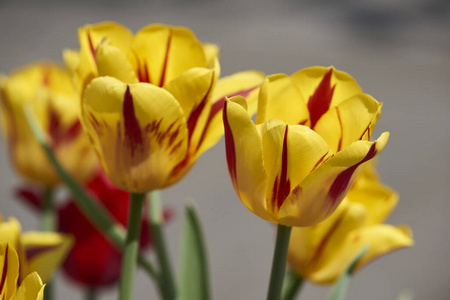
(320, 101)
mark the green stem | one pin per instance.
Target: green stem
(279, 262)
(92, 210)
(155, 212)
(292, 285)
(131, 247)
(48, 219)
(91, 294)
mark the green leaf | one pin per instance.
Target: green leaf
(339, 290)
(406, 295)
(194, 275)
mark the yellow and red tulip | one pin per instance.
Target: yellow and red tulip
(47, 89)
(31, 288)
(155, 105)
(321, 253)
(309, 144)
(41, 252)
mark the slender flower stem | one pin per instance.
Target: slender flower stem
(48, 215)
(92, 210)
(91, 294)
(131, 247)
(279, 262)
(48, 219)
(292, 285)
(155, 212)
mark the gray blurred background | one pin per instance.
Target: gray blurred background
(397, 50)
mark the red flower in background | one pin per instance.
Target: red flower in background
(94, 261)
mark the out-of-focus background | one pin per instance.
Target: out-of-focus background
(399, 51)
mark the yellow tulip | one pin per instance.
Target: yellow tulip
(321, 253)
(153, 102)
(47, 89)
(31, 288)
(41, 252)
(296, 164)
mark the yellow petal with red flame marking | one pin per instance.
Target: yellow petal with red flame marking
(352, 120)
(45, 251)
(112, 62)
(91, 35)
(279, 98)
(9, 271)
(163, 52)
(308, 80)
(320, 193)
(31, 288)
(245, 84)
(193, 90)
(245, 158)
(290, 154)
(139, 132)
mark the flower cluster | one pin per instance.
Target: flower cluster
(144, 107)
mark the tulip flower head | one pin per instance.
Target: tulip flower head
(31, 288)
(41, 252)
(47, 89)
(93, 261)
(321, 253)
(309, 144)
(151, 101)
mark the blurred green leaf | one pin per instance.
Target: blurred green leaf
(339, 290)
(194, 275)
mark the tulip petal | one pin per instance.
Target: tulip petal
(308, 80)
(31, 288)
(379, 199)
(279, 98)
(45, 251)
(90, 36)
(163, 52)
(290, 154)
(138, 130)
(9, 271)
(193, 90)
(211, 54)
(325, 242)
(329, 182)
(350, 121)
(245, 159)
(112, 62)
(382, 239)
(244, 84)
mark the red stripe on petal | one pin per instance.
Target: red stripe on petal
(341, 184)
(196, 112)
(283, 188)
(91, 46)
(217, 106)
(133, 132)
(230, 149)
(339, 148)
(31, 252)
(320, 101)
(166, 58)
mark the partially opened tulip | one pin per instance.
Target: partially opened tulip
(41, 252)
(47, 89)
(308, 146)
(31, 288)
(151, 101)
(321, 253)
